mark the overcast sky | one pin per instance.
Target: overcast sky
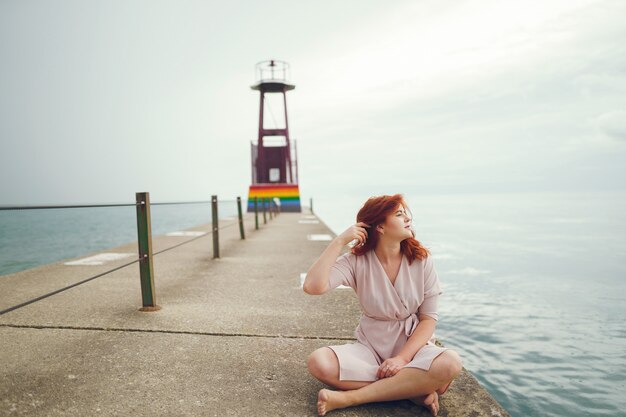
(100, 99)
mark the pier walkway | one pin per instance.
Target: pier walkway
(231, 338)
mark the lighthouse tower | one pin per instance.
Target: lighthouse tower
(274, 162)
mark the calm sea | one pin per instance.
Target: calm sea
(534, 293)
(534, 284)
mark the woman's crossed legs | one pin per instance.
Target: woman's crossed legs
(421, 387)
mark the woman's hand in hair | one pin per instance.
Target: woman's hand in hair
(357, 231)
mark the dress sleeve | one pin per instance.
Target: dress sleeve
(342, 271)
(432, 290)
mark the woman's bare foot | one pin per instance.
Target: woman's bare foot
(443, 390)
(328, 400)
(430, 401)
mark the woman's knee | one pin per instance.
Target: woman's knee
(449, 364)
(322, 363)
(455, 363)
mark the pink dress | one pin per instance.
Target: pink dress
(389, 312)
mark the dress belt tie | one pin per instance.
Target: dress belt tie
(410, 322)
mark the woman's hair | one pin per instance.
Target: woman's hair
(374, 212)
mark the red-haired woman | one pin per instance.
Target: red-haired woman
(395, 356)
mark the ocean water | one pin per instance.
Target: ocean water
(534, 293)
(30, 238)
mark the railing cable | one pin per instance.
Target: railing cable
(64, 288)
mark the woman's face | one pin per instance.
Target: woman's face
(398, 225)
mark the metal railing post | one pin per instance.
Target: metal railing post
(264, 215)
(256, 213)
(270, 208)
(311, 204)
(215, 227)
(144, 240)
(241, 232)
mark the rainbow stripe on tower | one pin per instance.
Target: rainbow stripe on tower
(288, 194)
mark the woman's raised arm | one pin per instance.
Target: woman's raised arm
(317, 277)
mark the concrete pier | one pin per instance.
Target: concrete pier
(231, 338)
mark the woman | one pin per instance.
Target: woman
(395, 356)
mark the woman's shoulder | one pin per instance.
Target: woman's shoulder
(356, 259)
(351, 255)
(420, 263)
(348, 257)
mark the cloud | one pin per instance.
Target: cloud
(613, 124)
(470, 96)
